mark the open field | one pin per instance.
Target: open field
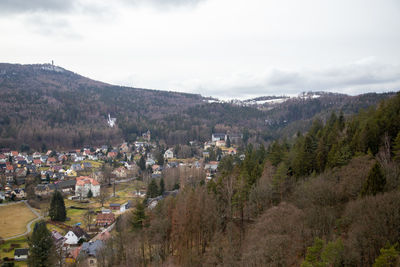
(14, 218)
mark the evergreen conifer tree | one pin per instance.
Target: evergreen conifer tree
(57, 210)
(375, 182)
(142, 163)
(228, 142)
(152, 190)
(139, 217)
(162, 186)
(41, 247)
(90, 194)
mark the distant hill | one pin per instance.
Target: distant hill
(46, 106)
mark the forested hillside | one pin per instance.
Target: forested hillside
(329, 197)
(45, 106)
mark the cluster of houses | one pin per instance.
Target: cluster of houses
(68, 172)
(79, 245)
(55, 166)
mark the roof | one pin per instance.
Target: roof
(51, 159)
(219, 135)
(106, 216)
(91, 248)
(82, 180)
(21, 252)
(66, 183)
(79, 232)
(56, 235)
(42, 187)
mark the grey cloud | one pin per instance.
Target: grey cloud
(351, 79)
(51, 26)
(27, 6)
(164, 3)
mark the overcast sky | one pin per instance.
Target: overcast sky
(221, 48)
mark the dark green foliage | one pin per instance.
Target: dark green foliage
(228, 142)
(57, 210)
(276, 152)
(90, 194)
(152, 189)
(375, 182)
(160, 157)
(142, 163)
(176, 186)
(138, 217)
(389, 257)
(41, 247)
(324, 255)
(162, 186)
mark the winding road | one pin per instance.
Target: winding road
(29, 225)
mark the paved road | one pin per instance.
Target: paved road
(29, 225)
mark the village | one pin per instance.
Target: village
(98, 184)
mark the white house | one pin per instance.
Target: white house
(21, 254)
(84, 184)
(73, 236)
(168, 154)
(218, 136)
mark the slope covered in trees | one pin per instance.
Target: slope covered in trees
(44, 106)
(329, 197)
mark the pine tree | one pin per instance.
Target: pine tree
(152, 190)
(57, 210)
(41, 246)
(142, 163)
(90, 194)
(162, 186)
(375, 182)
(228, 142)
(139, 217)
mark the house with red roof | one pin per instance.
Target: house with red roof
(9, 168)
(105, 219)
(37, 162)
(84, 184)
(51, 161)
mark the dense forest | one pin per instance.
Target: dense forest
(45, 106)
(328, 197)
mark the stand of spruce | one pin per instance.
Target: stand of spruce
(41, 247)
(57, 210)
